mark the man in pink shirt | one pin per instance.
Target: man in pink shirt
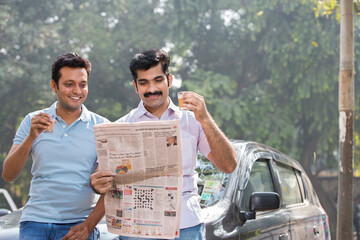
(199, 132)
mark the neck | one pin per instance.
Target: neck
(68, 116)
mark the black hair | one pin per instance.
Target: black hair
(148, 59)
(72, 60)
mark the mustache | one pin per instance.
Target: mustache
(152, 93)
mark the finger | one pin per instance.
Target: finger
(41, 120)
(39, 126)
(43, 115)
(102, 188)
(66, 237)
(105, 188)
(105, 174)
(70, 235)
(101, 174)
(102, 181)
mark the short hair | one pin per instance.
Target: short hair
(148, 59)
(72, 60)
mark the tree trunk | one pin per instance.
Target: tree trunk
(346, 122)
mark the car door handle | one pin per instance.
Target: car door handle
(284, 236)
(316, 230)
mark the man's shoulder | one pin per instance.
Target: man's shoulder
(97, 118)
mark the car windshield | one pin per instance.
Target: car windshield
(211, 183)
(3, 202)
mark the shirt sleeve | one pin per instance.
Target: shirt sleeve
(23, 130)
(203, 144)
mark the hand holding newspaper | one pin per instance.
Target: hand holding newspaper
(146, 159)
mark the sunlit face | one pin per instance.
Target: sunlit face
(153, 89)
(73, 88)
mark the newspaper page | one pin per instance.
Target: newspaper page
(146, 159)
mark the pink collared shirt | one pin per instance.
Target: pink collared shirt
(193, 139)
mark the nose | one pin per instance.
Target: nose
(152, 87)
(76, 89)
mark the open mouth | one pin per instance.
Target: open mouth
(75, 98)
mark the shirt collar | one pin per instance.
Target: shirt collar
(141, 110)
(85, 113)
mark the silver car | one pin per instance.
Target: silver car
(268, 196)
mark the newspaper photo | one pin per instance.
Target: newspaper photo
(146, 159)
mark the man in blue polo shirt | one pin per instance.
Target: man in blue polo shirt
(60, 197)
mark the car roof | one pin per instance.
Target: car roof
(253, 151)
(247, 153)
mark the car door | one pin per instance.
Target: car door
(305, 216)
(292, 195)
(268, 224)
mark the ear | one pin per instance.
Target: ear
(170, 79)
(135, 86)
(53, 86)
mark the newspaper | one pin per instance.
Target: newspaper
(146, 159)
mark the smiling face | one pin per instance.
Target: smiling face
(72, 89)
(153, 89)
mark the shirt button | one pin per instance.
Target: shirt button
(64, 126)
(65, 134)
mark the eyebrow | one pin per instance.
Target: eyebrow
(71, 80)
(158, 77)
(155, 78)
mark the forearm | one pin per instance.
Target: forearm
(16, 159)
(95, 216)
(222, 154)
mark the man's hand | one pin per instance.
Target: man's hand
(78, 232)
(18, 154)
(196, 103)
(222, 154)
(101, 181)
(39, 123)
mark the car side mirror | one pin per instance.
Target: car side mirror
(4, 211)
(264, 201)
(261, 201)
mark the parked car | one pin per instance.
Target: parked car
(7, 204)
(268, 196)
(10, 223)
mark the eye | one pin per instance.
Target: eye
(68, 84)
(83, 85)
(142, 83)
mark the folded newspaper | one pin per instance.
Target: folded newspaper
(146, 159)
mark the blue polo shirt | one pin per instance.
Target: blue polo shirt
(63, 161)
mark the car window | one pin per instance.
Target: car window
(3, 202)
(260, 180)
(290, 187)
(212, 182)
(301, 184)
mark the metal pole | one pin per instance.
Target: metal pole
(346, 123)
